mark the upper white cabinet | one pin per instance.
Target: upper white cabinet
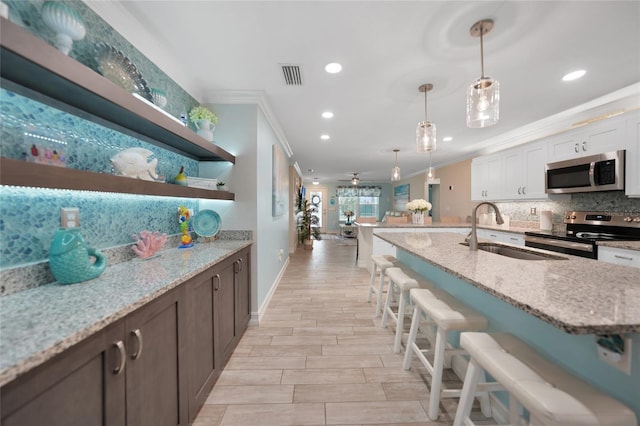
(514, 174)
(603, 136)
(518, 173)
(632, 158)
(524, 172)
(486, 178)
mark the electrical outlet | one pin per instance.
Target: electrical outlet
(622, 361)
(69, 217)
(533, 211)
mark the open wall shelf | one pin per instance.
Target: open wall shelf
(30, 62)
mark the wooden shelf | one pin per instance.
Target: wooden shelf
(28, 61)
(22, 173)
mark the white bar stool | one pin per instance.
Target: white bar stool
(399, 285)
(379, 263)
(551, 395)
(448, 314)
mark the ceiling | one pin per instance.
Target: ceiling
(387, 50)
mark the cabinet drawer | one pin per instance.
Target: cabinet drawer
(619, 256)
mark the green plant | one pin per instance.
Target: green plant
(220, 183)
(305, 212)
(201, 113)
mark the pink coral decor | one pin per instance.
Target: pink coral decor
(148, 243)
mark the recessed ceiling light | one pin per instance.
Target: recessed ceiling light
(574, 75)
(447, 139)
(325, 137)
(333, 68)
(327, 114)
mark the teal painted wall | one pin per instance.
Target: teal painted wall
(575, 353)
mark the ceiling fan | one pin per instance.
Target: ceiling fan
(354, 179)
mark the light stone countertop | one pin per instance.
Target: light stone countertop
(578, 295)
(382, 225)
(39, 323)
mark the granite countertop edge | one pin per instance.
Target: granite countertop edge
(572, 327)
(15, 321)
(381, 225)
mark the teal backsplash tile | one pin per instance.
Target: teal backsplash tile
(30, 216)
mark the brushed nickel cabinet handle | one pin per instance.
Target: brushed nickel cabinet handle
(241, 263)
(123, 357)
(617, 256)
(216, 282)
(136, 333)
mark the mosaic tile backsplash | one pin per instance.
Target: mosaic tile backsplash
(30, 216)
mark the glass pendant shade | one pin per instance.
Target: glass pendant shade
(395, 174)
(431, 173)
(483, 95)
(483, 103)
(426, 136)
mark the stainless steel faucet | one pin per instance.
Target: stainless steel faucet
(472, 238)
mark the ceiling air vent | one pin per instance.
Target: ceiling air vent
(292, 74)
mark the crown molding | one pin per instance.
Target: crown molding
(250, 97)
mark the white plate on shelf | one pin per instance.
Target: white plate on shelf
(207, 223)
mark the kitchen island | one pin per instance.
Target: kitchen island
(556, 306)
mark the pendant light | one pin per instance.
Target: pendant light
(426, 131)
(483, 95)
(431, 173)
(355, 179)
(395, 172)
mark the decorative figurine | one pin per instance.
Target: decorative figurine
(181, 178)
(148, 243)
(183, 217)
(132, 162)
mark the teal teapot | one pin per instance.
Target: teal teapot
(70, 258)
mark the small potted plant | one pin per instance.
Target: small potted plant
(221, 186)
(204, 120)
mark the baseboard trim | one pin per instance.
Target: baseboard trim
(256, 317)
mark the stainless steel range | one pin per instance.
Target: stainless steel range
(584, 230)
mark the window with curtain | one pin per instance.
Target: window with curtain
(363, 201)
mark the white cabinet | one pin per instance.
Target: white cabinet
(486, 178)
(500, 237)
(632, 158)
(514, 174)
(619, 256)
(603, 136)
(523, 177)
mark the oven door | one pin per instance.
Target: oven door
(576, 248)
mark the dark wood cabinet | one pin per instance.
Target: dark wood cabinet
(154, 367)
(243, 290)
(130, 373)
(85, 385)
(219, 312)
(155, 374)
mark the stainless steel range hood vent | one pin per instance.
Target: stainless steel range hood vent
(292, 74)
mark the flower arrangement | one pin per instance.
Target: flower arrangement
(348, 214)
(201, 113)
(419, 205)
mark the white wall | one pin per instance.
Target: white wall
(244, 131)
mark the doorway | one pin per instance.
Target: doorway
(317, 200)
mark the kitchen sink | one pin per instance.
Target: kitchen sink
(516, 252)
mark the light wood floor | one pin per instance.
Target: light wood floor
(320, 358)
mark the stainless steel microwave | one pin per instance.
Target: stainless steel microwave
(601, 172)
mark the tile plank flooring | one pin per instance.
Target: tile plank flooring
(319, 356)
